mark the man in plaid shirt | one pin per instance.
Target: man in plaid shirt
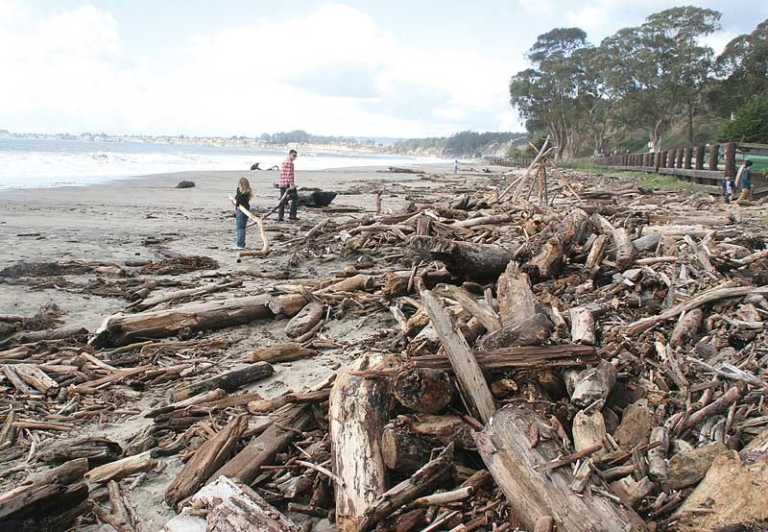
(288, 184)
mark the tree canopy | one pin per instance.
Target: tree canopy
(649, 78)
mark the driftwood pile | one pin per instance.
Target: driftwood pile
(593, 363)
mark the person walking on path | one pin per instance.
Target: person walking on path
(288, 184)
(455, 166)
(242, 197)
(744, 181)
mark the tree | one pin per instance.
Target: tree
(545, 94)
(750, 123)
(743, 67)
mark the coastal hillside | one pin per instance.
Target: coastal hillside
(464, 145)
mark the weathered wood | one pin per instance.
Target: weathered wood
(121, 329)
(548, 261)
(442, 429)
(281, 352)
(213, 395)
(96, 450)
(635, 427)
(305, 320)
(688, 467)
(624, 251)
(246, 464)
(261, 406)
(357, 412)
(228, 381)
(424, 390)
(37, 378)
(401, 449)
(464, 259)
(657, 463)
(230, 506)
(582, 326)
(121, 468)
(596, 253)
(686, 328)
(523, 321)
(734, 494)
(593, 385)
(588, 429)
(532, 494)
(473, 384)
(207, 459)
(479, 309)
(704, 298)
(150, 302)
(425, 480)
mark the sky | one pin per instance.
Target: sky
(396, 68)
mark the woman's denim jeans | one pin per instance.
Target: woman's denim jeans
(241, 220)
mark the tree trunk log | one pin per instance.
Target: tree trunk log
(506, 449)
(425, 480)
(229, 381)
(246, 464)
(464, 259)
(207, 459)
(401, 449)
(121, 329)
(473, 384)
(424, 390)
(357, 412)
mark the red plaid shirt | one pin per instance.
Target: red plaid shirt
(286, 175)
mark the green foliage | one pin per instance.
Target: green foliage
(750, 123)
(462, 144)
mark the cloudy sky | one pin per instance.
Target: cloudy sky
(242, 67)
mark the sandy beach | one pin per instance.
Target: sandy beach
(146, 219)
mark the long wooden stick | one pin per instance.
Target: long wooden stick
(258, 221)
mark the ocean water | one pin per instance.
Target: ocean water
(33, 163)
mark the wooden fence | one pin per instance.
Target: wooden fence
(705, 164)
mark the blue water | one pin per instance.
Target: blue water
(31, 163)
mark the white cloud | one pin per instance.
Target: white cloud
(71, 71)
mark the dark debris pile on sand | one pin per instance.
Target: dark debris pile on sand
(592, 359)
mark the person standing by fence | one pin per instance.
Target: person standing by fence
(288, 185)
(744, 181)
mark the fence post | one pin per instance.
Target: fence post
(700, 157)
(714, 155)
(656, 159)
(672, 158)
(679, 158)
(730, 159)
(687, 157)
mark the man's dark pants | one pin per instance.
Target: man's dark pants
(293, 197)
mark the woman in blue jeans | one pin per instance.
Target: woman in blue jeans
(242, 197)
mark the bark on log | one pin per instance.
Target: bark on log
(424, 390)
(464, 259)
(425, 480)
(523, 322)
(282, 352)
(401, 449)
(473, 384)
(548, 261)
(121, 329)
(443, 429)
(305, 320)
(229, 381)
(506, 449)
(357, 412)
(246, 465)
(97, 451)
(207, 459)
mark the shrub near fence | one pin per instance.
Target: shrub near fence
(704, 164)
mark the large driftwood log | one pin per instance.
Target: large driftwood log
(206, 460)
(401, 449)
(506, 449)
(423, 481)
(464, 259)
(98, 451)
(522, 320)
(122, 329)
(305, 320)
(424, 390)
(228, 381)
(49, 502)
(473, 384)
(150, 302)
(262, 449)
(121, 468)
(357, 412)
(735, 496)
(231, 507)
(523, 357)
